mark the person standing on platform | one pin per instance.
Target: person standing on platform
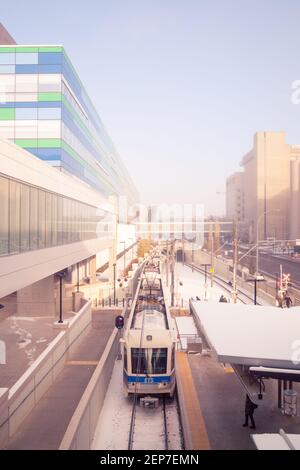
(249, 412)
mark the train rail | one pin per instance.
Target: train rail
(221, 283)
(155, 421)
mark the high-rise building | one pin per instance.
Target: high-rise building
(235, 197)
(269, 189)
(45, 109)
(267, 186)
(295, 194)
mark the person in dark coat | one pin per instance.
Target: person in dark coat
(288, 301)
(223, 299)
(249, 412)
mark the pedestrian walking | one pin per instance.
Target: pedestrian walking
(250, 407)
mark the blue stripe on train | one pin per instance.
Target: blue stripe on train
(147, 380)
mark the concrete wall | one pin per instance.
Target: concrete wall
(37, 299)
(20, 271)
(26, 393)
(81, 430)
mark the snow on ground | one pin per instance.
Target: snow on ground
(186, 326)
(174, 427)
(193, 284)
(112, 432)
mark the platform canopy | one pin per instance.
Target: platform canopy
(277, 441)
(251, 335)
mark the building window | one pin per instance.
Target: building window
(4, 211)
(14, 217)
(33, 219)
(42, 219)
(25, 218)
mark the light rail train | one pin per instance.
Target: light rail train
(149, 339)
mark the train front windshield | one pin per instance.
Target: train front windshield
(149, 361)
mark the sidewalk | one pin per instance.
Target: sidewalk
(45, 427)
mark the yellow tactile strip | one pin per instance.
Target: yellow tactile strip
(195, 420)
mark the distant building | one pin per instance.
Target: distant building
(294, 209)
(235, 209)
(267, 192)
(5, 37)
(267, 174)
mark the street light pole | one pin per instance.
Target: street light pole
(212, 269)
(256, 279)
(115, 284)
(172, 273)
(205, 271)
(235, 263)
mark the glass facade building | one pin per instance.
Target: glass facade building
(45, 109)
(33, 219)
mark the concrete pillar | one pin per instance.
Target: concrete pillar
(37, 299)
(93, 269)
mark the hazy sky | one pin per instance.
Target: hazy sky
(181, 85)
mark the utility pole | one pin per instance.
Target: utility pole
(235, 262)
(205, 271)
(168, 264)
(172, 273)
(115, 265)
(212, 269)
(193, 256)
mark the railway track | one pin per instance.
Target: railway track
(147, 424)
(244, 298)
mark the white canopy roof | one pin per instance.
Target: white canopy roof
(276, 441)
(251, 335)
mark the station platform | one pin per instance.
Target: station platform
(194, 427)
(46, 425)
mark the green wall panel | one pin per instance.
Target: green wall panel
(50, 96)
(7, 114)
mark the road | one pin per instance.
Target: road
(270, 264)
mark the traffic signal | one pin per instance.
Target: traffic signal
(120, 322)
